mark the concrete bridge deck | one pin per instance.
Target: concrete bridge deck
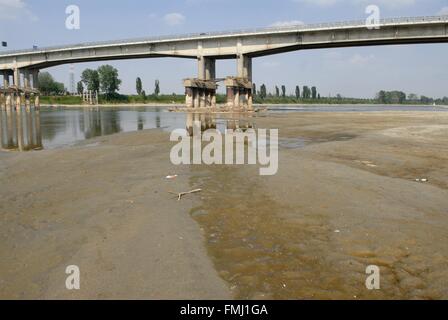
(242, 45)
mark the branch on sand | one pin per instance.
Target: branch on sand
(180, 195)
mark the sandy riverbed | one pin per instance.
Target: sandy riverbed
(345, 197)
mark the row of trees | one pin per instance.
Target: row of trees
(104, 79)
(141, 92)
(306, 93)
(399, 97)
(48, 86)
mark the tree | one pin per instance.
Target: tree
(138, 86)
(314, 92)
(143, 95)
(297, 92)
(277, 92)
(109, 81)
(48, 86)
(254, 89)
(80, 87)
(318, 96)
(263, 92)
(306, 92)
(157, 88)
(413, 97)
(91, 79)
(381, 96)
(283, 91)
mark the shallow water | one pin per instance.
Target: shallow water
(61, 127)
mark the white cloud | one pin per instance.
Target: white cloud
(15, 9)
(361, 60)
(174, 19)
(443, 11)
(286, 23)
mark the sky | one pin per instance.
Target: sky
(351, 72)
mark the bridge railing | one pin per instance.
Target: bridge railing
(298, 28)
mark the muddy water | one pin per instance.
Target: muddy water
(313, 236)
(261, 255)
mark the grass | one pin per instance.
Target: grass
(220, 98)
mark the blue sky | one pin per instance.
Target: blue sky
(358, 72)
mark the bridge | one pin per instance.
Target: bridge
(20, 68)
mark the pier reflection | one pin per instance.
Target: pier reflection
(20, 129)
(221, 122)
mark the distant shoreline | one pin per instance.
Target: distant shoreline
(177, 105)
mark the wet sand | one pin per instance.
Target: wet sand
(345, 197)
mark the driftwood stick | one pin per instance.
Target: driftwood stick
(181, 194)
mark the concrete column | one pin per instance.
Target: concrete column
(244, 66)
(250, 100)
(210, 69)
(35, 76)
(201, 68)
(236, 104)
(206, 68)
(196, 98)
(230, 97)
(16, 76)
(201, 98)
(189, 97)
(213, 98)
(5, 79)
(26, 79)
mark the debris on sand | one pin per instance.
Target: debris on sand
(181, 194)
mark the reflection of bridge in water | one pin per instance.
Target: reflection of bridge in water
(20, 129)
(222, 122)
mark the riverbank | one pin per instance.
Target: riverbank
(345, 197)
(257, 105)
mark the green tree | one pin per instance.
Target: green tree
(297, 92)
(263, 92)
(283, 91)
(306, 92)
(144, 95)
(277, 92)
(79, 87)
(381, 96)
(254, 89)
(314, 92)
(157, 88)
(138, 86)
(91, 79)
(48, 86)
(109, 81)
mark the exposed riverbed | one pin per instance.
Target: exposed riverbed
(345, 197)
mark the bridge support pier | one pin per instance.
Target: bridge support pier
(239, 93)
(200, 93)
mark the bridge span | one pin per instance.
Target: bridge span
(20, 68)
